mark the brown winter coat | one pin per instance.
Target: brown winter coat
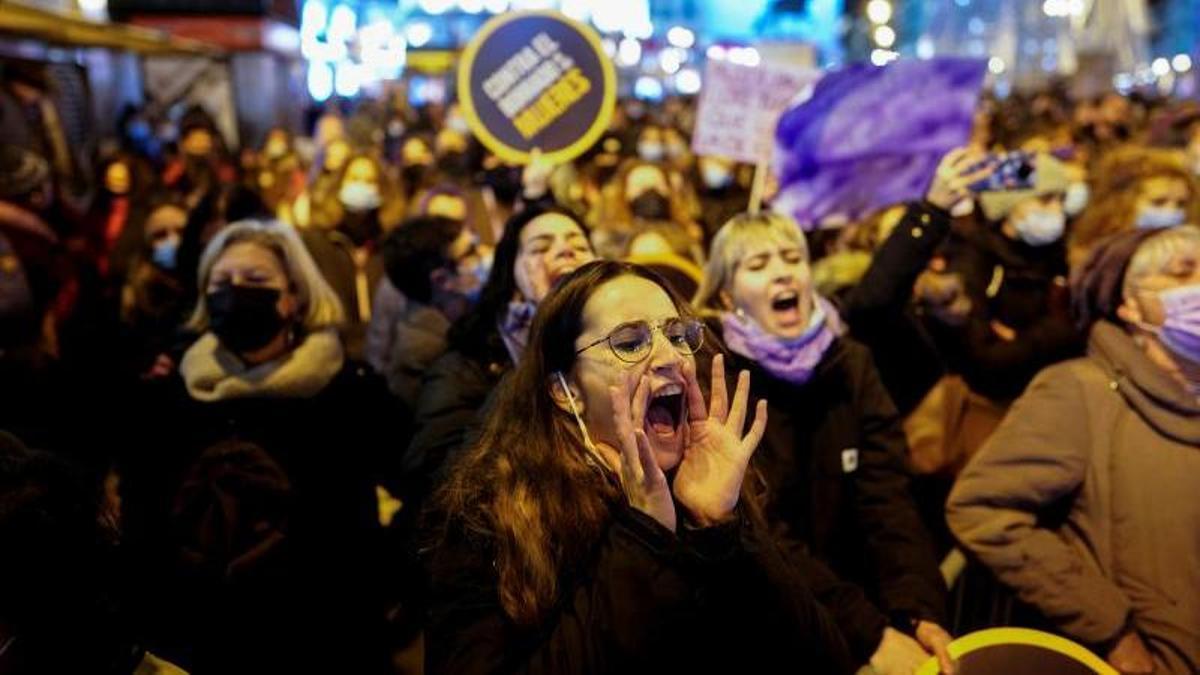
(1113, 442)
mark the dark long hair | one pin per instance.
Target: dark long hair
(476, 335)
(526, 484)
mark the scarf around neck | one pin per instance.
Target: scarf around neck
(514, 327)
(213, 373)
(793, 360)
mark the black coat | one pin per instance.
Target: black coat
(717, 600)
(880, 313)
(718, 206)
(314, 603)
(454, 390)
(838, 490)
(1024, 288)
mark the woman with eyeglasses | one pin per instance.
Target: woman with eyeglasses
(833, 450)
(604, 521)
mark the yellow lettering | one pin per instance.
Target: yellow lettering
(551, 105)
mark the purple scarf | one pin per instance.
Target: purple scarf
(790, 360)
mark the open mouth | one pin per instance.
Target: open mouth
(664, 412)
(786, 301)
(557, 275)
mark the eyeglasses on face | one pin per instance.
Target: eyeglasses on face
(633, 341)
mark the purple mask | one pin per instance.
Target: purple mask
(1180, 331)
(790, 360)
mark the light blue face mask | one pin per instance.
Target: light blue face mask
(165, 253)
(715, 177)
(480, 272)
(1153, 218)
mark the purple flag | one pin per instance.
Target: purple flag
(870, 137)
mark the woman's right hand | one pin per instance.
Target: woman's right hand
(644, 483)
(531, 274)
(1130, 655)
(954, 176)
(535, 177)
(897, 654)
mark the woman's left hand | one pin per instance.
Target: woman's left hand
(936, 641)
(716, 453)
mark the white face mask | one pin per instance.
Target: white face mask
(360, 196)
(650, 151)
(1041, 227)
(594, 457)
(1153, 218)
(1076, 199)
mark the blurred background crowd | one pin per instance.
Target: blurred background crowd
(236, 374)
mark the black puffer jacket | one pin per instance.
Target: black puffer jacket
(833, 458)
(880, 312)
(454, 390)
(717, 600)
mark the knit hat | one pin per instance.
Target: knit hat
(1097, 285)
(21, 171)
(1050, 176)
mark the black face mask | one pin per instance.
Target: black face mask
(651, 205)
(414, 177)
(245, 318)
(362, 227)
(455, 164)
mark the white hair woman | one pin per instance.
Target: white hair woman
(833, 453)
(259, 549)
(1110, 440)
(262, 298)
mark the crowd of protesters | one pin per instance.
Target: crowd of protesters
(372, 400)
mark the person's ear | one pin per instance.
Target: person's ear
(562, 396)
(1130, 312)
(726, 301)
(441, 280)
(289, 303)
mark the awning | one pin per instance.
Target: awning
(35, 23)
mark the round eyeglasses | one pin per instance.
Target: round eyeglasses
(633, 341)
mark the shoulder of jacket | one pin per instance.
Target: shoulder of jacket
(456, 367)
(1088, 376)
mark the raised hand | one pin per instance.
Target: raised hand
(643, 481)
(954, 175)
(535, 177)
(532, 273)
(716, 453)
